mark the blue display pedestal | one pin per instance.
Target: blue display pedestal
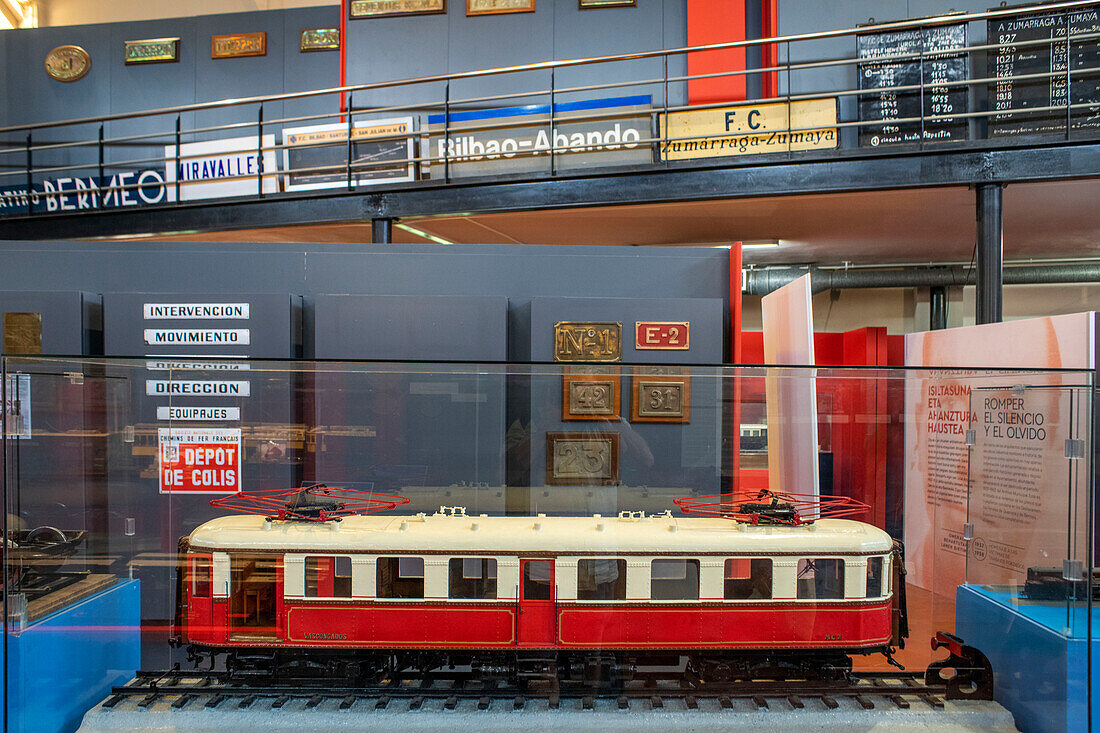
(1038, 652)
(60, 666)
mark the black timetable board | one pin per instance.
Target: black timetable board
(1036, 43)
(326, 165)
(925, 59)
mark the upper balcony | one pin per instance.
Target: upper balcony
(1007, 95)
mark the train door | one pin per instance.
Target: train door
(537, 622)
(252, 597)
(200, 604)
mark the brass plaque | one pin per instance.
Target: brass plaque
(22, 333)
(152, 51)
(68, 63)
(494, 7)
(591, 4)
(582, 459)
(238, 44)
(590, 393)
(576, 341)
(319, 39)
(383, 8)
(660, 398)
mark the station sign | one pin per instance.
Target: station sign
(217, 168)
(77, 193)
(317, 156)
(585, 134)
(750, 129)
(199, 460)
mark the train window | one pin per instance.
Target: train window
(674, 580)
(200, 577)
(473, 577)
(537, 577)
(328, 577)
(820, 578)
(601, 580)
(874, 577)
(748, 578)
(400, 577)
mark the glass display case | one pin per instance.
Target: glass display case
(311, 535)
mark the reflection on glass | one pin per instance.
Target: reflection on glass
(472, 577)
(328, 577)
(601, 580)
(748, 578)
(874, 577)
(821, 578)
(674, 580)
(400, 577)
(536, 580)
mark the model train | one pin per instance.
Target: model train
(315, 588)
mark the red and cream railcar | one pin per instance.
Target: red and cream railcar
(470, 587)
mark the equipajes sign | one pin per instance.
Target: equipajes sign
(750, 129)
(199, 460)
(76, 193)
(485, 142)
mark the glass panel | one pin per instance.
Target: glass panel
(601, 580)
(820, 578)
(748, 578)
(473, 577)
(536, 581)
(328, 577)
(201, 570)
(874, 577)
(672, 580)
(400, 577)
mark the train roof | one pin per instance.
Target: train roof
(446, 533)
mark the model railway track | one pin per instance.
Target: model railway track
(190, 690)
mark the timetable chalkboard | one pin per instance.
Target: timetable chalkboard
(932, 65)
(1036, 44)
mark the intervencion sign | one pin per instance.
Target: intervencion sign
(199, 460)
(589, 133)
(750, 129)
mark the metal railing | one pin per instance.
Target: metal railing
(86, 163)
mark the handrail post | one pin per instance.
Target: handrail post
(348, 108)
(179, 168)
(260, 150)
(662, 128)
(552, 144)
(101, 154)
(30, 177)
(446, 132)
(920, 60)
(1069, 60)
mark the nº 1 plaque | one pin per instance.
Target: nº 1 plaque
(588, 341)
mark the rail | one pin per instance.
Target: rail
(935, 83)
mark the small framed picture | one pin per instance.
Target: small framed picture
(660, 394)
(590, 393)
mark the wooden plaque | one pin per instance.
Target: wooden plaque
(582, 459)
(590, 393)
(660, 397)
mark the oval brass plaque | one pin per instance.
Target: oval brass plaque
(68, 63)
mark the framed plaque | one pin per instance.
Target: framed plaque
(582, 459)
(319, 39)
(390, 8)
(23, 333)
(660, 394)
(585, 341)
(662, 335)
(68, 63)
(151, 51)
(593, 4)
(496, 7)
(235, 45)
(590, 393)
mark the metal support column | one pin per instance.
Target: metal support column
(990, 255)
(381, 231)
(937, 304)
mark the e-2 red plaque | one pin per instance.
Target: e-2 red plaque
(661, 335)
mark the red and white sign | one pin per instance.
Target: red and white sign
(661, 335)
(199, 460)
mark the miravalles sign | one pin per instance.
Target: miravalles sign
(749, 129)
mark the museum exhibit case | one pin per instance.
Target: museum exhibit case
(529, 537)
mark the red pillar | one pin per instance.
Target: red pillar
(716, 21)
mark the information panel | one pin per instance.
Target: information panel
(924, 60)
(1037, 44)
